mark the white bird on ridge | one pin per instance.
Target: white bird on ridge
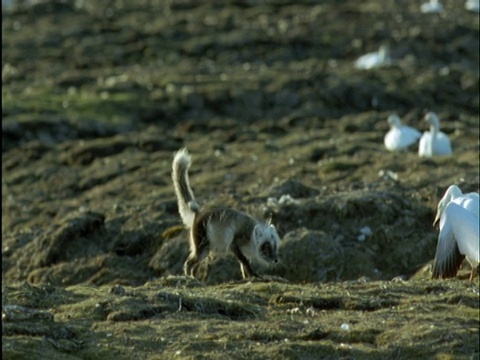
(433, 6)
(374, 59)
(434, 142)
(399, 136)
(459, 233)
(472, 5)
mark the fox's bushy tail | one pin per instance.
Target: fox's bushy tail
(187, 205)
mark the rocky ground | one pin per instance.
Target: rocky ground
(96, 98)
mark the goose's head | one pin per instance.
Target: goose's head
(432, 119)
(452, 192)
(394, 121)
(384, 52)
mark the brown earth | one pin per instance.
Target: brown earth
(96, 98)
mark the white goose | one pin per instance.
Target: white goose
(374, 59)
(399, 136)
(459, 233)
(472, 5)
(433, 6)
(434, 142)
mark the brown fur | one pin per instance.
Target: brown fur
(200, 245)
(220, 230)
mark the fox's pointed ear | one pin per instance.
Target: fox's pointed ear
(257, 230)
(257, 234)
(270, 223)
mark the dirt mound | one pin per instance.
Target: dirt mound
(294, 133)
(98, 95)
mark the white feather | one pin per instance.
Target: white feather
(469, 201)
(459, 227)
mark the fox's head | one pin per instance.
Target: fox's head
(267, 242)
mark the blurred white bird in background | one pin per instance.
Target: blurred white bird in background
(433, 6)
(434, 142)
(374, 59)
(472, 5)
(459, 233)
(399, 136)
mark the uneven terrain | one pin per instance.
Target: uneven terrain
(98, 95)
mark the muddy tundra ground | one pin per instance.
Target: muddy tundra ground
(96, 98)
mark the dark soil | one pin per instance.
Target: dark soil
(98, 95)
